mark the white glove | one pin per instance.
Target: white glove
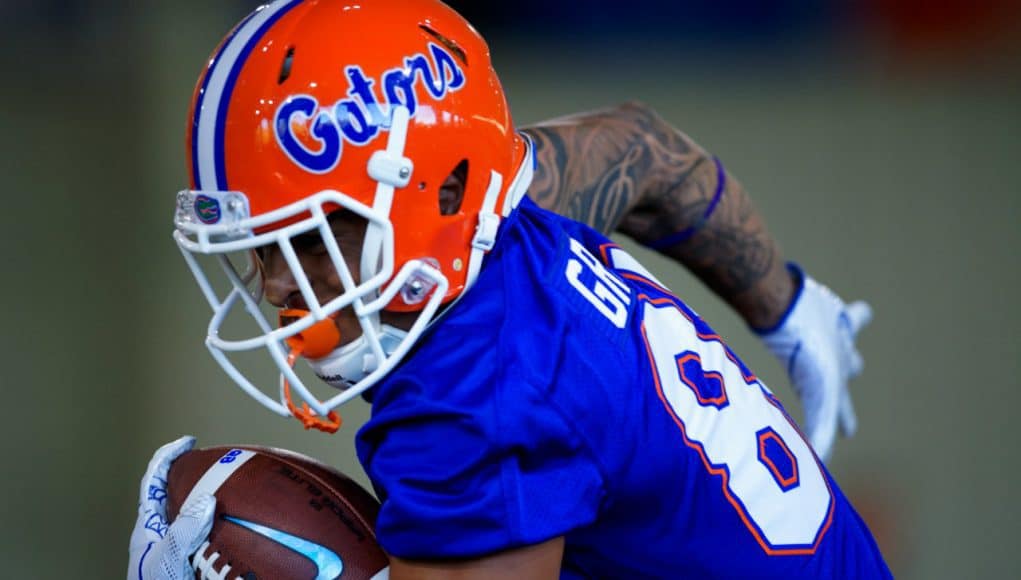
(815, 343)
(159, 550)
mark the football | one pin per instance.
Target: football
(279, 516)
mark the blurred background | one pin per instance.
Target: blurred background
(880, 139)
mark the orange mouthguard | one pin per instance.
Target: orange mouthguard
(314, 342)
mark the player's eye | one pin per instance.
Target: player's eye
(310, 243)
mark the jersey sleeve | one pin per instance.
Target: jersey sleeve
(468, 473)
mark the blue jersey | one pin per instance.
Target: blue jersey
(569, 394)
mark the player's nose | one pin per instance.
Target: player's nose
(279, 285)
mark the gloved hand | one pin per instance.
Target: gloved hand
(815, 343)
(159, 550)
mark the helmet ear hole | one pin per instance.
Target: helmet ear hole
(452, 190)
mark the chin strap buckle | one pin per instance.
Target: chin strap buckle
(330, 424)
(485, 233)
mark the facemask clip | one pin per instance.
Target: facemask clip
(419, 285)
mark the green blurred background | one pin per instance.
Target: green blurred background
(880, 139)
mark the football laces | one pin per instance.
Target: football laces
(204, 565)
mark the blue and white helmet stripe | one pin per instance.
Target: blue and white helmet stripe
(214, 97)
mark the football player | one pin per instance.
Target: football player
(542, 405)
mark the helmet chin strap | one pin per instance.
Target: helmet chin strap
(390, 169)
(352, 362)
(489, 219)
(339, 366)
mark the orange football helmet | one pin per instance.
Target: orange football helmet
(310, 106)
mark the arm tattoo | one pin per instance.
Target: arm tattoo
(594, 167)
(626, 169)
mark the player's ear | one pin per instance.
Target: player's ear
(452, 190)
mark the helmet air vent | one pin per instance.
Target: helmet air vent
(285, 67)
(447, 43)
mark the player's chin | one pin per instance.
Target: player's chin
(348, 327)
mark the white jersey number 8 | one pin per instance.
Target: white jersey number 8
(769, 474)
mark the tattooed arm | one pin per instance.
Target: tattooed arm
(626, 169)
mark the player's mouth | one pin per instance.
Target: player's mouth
(295, 301)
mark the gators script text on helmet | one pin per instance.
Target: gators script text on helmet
(312, 106)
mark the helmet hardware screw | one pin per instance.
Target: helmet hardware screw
(416, 288)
